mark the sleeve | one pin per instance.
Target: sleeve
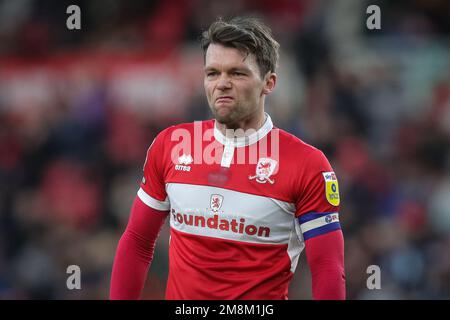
(152, 190)
(135, 251)
(317, 211)
(325, 256)
(317, 205)
(148, 213)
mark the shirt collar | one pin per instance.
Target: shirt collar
(245, 140)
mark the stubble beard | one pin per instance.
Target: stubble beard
(232, 118)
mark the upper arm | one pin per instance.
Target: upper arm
(152, 190)
(145, 222)
(317, 205)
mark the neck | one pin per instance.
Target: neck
(254, 122)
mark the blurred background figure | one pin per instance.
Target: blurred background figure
(78, 110)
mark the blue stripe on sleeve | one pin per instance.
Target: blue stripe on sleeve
(312, 215)
(321, 230)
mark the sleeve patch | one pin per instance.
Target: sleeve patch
(331, 188)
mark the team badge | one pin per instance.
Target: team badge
(264, 169)
(331, 188)
(216, 202)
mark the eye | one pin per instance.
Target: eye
(211, 73)
(237, 73)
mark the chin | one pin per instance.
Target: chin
(222, 119)
(225, 117)
(228, 122)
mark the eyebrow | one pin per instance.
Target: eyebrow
(210, 68)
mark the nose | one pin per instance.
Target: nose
(224, 83)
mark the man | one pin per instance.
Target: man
(239, 215)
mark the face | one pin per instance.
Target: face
(233, 84)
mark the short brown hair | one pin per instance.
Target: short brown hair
(247, 34)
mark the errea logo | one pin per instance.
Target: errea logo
(183, 163)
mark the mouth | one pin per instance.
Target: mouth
(224, 99)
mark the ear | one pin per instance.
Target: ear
(269, 82)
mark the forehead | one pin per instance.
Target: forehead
(219, 56)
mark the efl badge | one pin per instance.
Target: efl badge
(331, 188)
(264, 169)
(216, 202)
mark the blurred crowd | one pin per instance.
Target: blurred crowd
(78, 110)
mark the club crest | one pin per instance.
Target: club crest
(264, 169)
(216, 202)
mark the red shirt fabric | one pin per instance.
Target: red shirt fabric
(241, 211)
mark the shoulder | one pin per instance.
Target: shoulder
(298, 150)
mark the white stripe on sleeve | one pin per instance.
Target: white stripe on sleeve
(152, 202)
(319, 222)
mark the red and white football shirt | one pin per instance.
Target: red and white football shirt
(238, 224)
